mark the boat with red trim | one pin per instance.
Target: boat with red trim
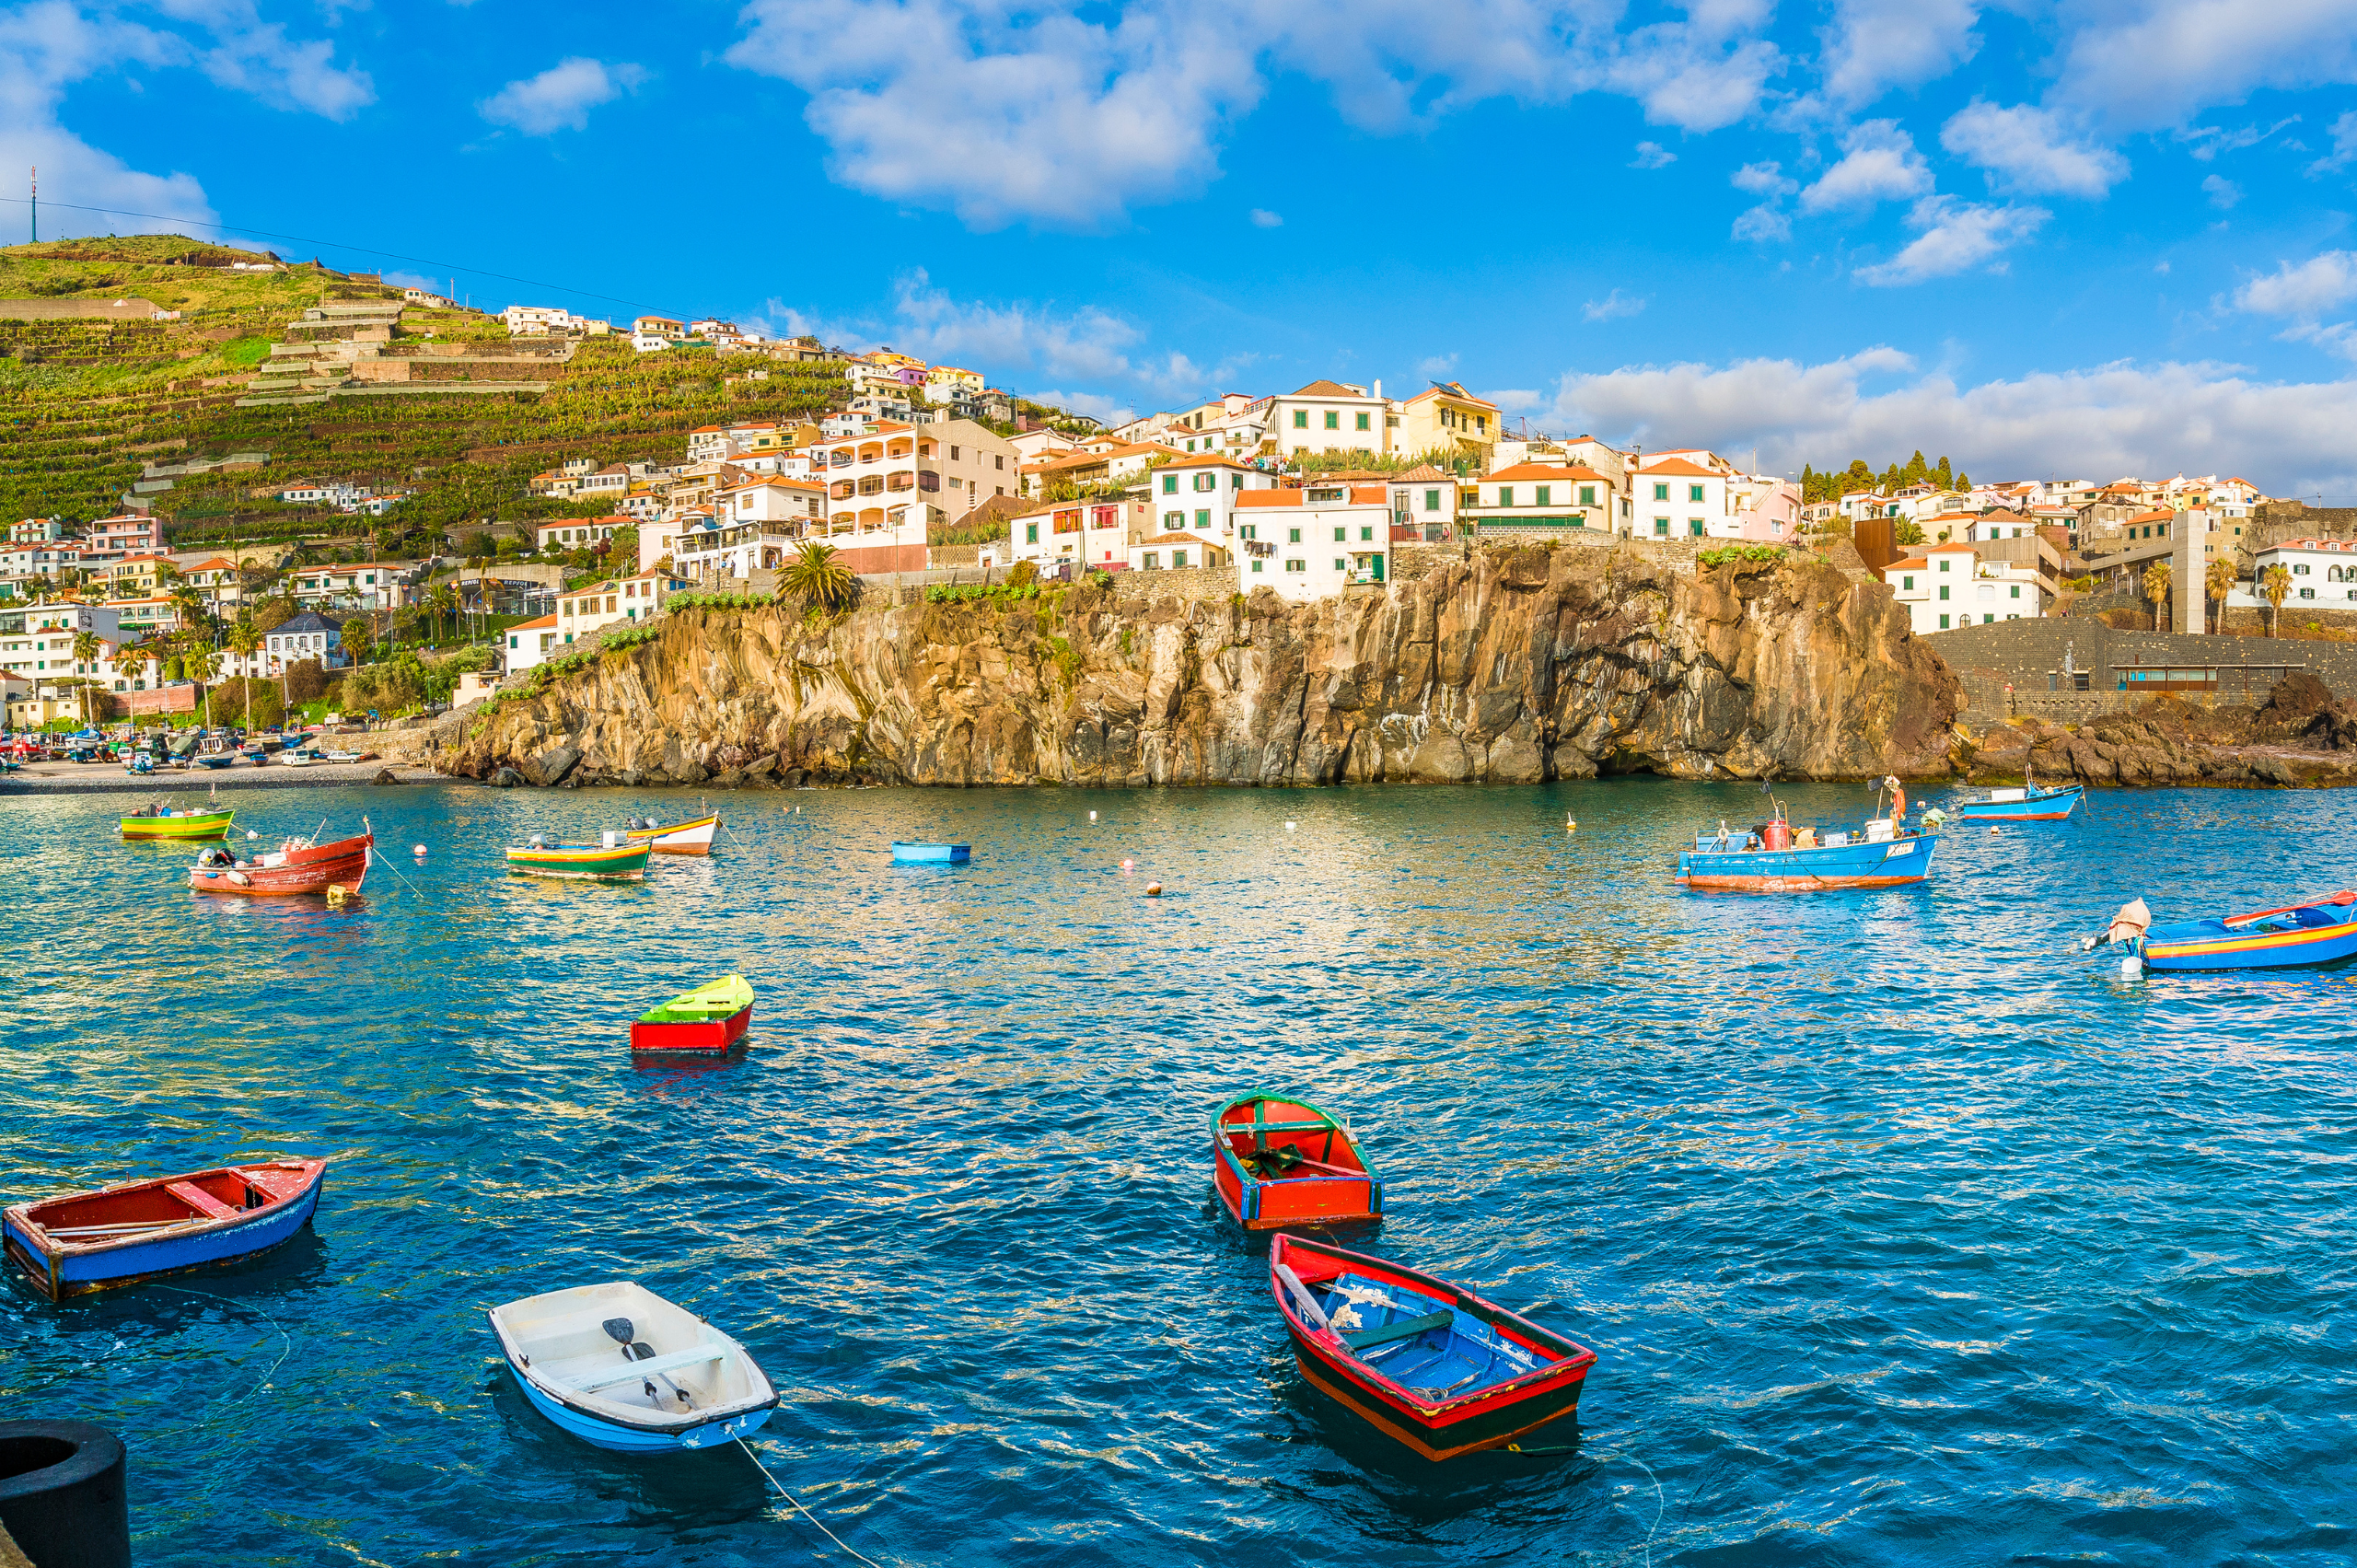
(693, 837)
(2303, 935)
(1434, 1367)
(1776, 857)
(1277, 1161)
(145, 1230)
(297, 866)
(708, 1019)
(2031, 802)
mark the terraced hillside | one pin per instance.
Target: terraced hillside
(84, 406)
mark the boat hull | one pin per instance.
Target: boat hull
(621, 1439)
(345, 864)
(204, 825)
(680, 838)
(627, 864)
(2233, 950)
(1442, 1429)
(1891, 864)
(1317, 1197)
(935, 854)
(58, 1269)
(708, 1036)
(2051, 805)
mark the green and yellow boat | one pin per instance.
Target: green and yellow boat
(595, 863)
(156, 823)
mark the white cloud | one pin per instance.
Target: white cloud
(44, 49)
(2208, 141)
(1763, 179)
(1263, 218)
(560, 98)
(2151, 67)
(1762, 225)
(1956, 236)
(1438, 365)
(2287, 438)
(288, 73)
(1875, 45)
(1070, 116)
(2032, 151)
(2344, 147)
(1653, 155)
(1880, 163)
(1612, 308)
(2223, 193)
(2305, 292)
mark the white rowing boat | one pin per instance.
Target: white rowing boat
(619, 1366)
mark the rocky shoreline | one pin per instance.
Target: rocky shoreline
(2301, 737)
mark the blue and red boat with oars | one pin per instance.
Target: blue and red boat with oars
(1774, 857)
(1279, 1161)
(2303, 935)
(145, 1230)
(1425, 1363)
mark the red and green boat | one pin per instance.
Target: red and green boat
(1277, 1161)
(593, 863)
(708, 1019)
(1432, 1366)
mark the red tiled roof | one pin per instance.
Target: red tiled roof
(1327, 389)
(1682, 469)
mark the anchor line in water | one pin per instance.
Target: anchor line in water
(805, 1513)
(285, 1343)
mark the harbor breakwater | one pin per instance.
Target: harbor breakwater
(1517, 665)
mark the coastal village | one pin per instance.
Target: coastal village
(927, 474)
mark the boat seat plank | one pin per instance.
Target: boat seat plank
(1278, 1127)
(627, 1371)
(197, 1198)
(1405, 1328)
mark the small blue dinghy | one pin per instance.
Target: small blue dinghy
(619, 1366)
(937, 855)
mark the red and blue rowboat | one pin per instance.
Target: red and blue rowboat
(2322, 931)
(1844, 860)
(1434, 1367)
(145, 1230)
(2031, 802)
(1277, 1162)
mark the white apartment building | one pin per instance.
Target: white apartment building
(1175, 552)
(593, 605)
(1329, 416)
(1423, 506)
(38, 641)
(1949, 587)
(1680, 498)
(1093, 536)
(535, 321)
(2322, 575)
(577, 533)
(1313, 543)
(1198, 495)
(530, 643)
(887, 485)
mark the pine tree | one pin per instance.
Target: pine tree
(1946, 476)
(1964, 481)
(1916, 469)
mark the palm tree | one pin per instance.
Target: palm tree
(2156, 588)
(2277, 585)
(2220, 580)
(443, 601)
(200, 663)
(245, 640)
(86, 652)
(359, 634)
(815, 576)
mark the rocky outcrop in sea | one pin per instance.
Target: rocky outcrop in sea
(1511, 666)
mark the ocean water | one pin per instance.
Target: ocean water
(1903, 1233)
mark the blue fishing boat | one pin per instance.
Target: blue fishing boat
(937, 855)
(619, 1366)
(2303, 935)
(1776, 857)
(2031, 802)
(144, 1230)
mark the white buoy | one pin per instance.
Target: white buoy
(418, 851)
(1128, 867)
(1092, 816)
(1288, 827)
(2130, 967)
(251, 834)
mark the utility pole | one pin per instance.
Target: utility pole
(36, 203)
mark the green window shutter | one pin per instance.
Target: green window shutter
(1204, 517)
(1546, 494)
(1588, 495)
(1432, 500)
(1661, 527)
(1944, 622)
(1333, 418)
(1030, 533)
(2017, 590)
(1694, 493)
(1505, 495)
(1301, 419)
(1294, 535)
(1256, 564)
(1340, 534)
(1943, 590)
(1363, 421)
(1661, 493)
(1170, 485)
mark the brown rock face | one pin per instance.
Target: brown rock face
(1513, 666)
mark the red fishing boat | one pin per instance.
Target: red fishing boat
(710, 1019)
(298, 865)
(1433, 1367)
(143, 1230)
(1278, 1162)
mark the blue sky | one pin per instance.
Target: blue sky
(2090, 237)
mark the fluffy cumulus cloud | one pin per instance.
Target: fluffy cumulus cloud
(2032, 151)
(2303, 293)
(560, 98)
(1880, 163)
(2153, 64)
(1876, 45)
(1956, 236)
(48, 46)
(2344, 147)
(2288, 438)
(1069, 116)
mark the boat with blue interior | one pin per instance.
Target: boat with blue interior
(2033, 802)
(2303, 935)
(1774, 857)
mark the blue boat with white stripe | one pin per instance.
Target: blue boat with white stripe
(618, 1366)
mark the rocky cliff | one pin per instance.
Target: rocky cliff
(1513, 666)
(2299, 737)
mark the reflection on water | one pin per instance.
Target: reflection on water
(1904, 1233)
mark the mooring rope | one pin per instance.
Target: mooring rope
(797, 1503)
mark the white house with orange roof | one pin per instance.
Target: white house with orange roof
(1540, 498)
(1197, 495)
(1094, 463)
(1093, 534)
(1423, 506)
(581, 610)
(1949, 587)
(577, 533)
(1314, 541)
(888, 483)
(530, 643)
(1329, 416)
(1683, 495)
(2323, 574)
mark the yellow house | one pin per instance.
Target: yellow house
(1447, 420)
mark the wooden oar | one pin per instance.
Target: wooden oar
(124, 1228)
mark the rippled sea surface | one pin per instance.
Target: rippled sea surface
(1903, 1233)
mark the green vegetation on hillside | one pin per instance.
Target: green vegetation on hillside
(1823, 485)
(84, 403)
